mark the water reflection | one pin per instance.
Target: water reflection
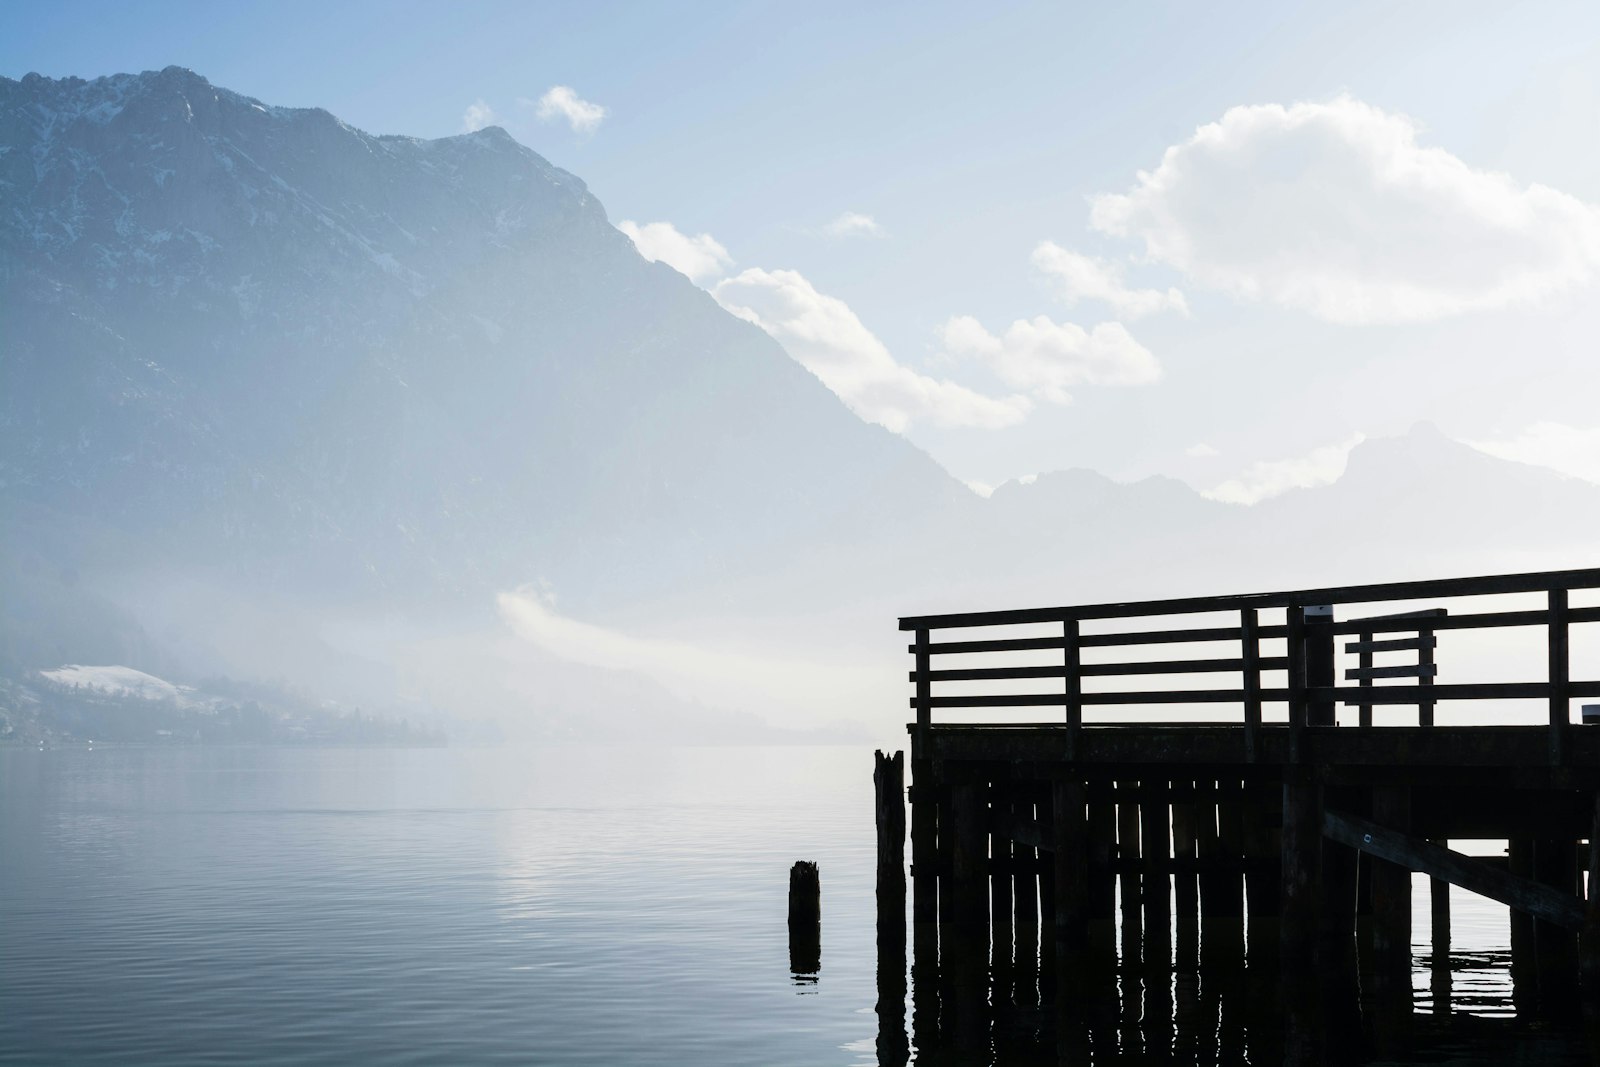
(1209, 992)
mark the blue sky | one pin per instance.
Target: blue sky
(971, 135)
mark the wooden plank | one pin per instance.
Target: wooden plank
(1420, 613)
(1365, 644)
(1542, 902)
(969, 856)
(1585, 578)
(1402, 670)
(1368, 646)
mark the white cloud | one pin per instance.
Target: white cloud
(1047, 358)
(853, 224)
(1201, 451)
(699, 257)
(720, 674)
(824, 335)
(563, 102)
(477, 116)
(1083, 277)
(983, 489)
(1334, 209)
(1268, 478)
(1568, 449)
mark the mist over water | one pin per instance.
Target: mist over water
(566, 905)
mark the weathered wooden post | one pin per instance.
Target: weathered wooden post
(1128, 863)
(805, 919)
(1589, 939)
(888, 781)
(1155, 829)
(1391, 894)
(1071, 861)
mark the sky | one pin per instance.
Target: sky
(1217, 243)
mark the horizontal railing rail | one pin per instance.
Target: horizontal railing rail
(1309, 632)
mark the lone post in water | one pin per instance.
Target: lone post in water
(805, 919)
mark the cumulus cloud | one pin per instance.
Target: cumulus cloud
(699, 257)
(1269, 478)
(825, 336)
(853, 224)
(563, 102)
(1201, 451)
(1336, 210)
(1046, 358)
(1569, 449)
(1081, 277)
(477, 116)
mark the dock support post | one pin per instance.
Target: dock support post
(1524, 967)
(1071, 863)
(1002, 869)
(1391, 894)
(1185, 857)
(1302, 867)
(888, 781)
(1589, 940)
(1025, 883)
(924, 845)
(1102, 899)
(969, 856)
(1439, 912)
(1155, 829)
(1555, 864)
(1128, 868)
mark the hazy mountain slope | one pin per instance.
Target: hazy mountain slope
(256, 338)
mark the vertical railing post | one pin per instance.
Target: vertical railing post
(1250, 652)
(1296, 642)
(1074, 687)
(924, 687)
(1319, 662)
(1559, 682)
(1364, 642)
(1425, 683)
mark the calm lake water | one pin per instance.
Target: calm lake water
(565, 906)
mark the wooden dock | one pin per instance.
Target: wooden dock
(1065, 767)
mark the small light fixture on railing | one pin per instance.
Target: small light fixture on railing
(1591, 715)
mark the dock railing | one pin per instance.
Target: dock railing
(1312, 621)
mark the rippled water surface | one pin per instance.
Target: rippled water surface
(565, 906)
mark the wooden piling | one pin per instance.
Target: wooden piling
(1391, 889)
(1214, 865)
(924, 845)
(1589, 940)
(1071, 860)
(1102, 815)
(888, 782)
(969, 855)
(1002, 865)
(1439, 912)
(1185, 857)
(1155, 845)
(1300, 903)
(805, 918)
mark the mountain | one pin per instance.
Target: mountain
(256, 340)
(400, 422)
